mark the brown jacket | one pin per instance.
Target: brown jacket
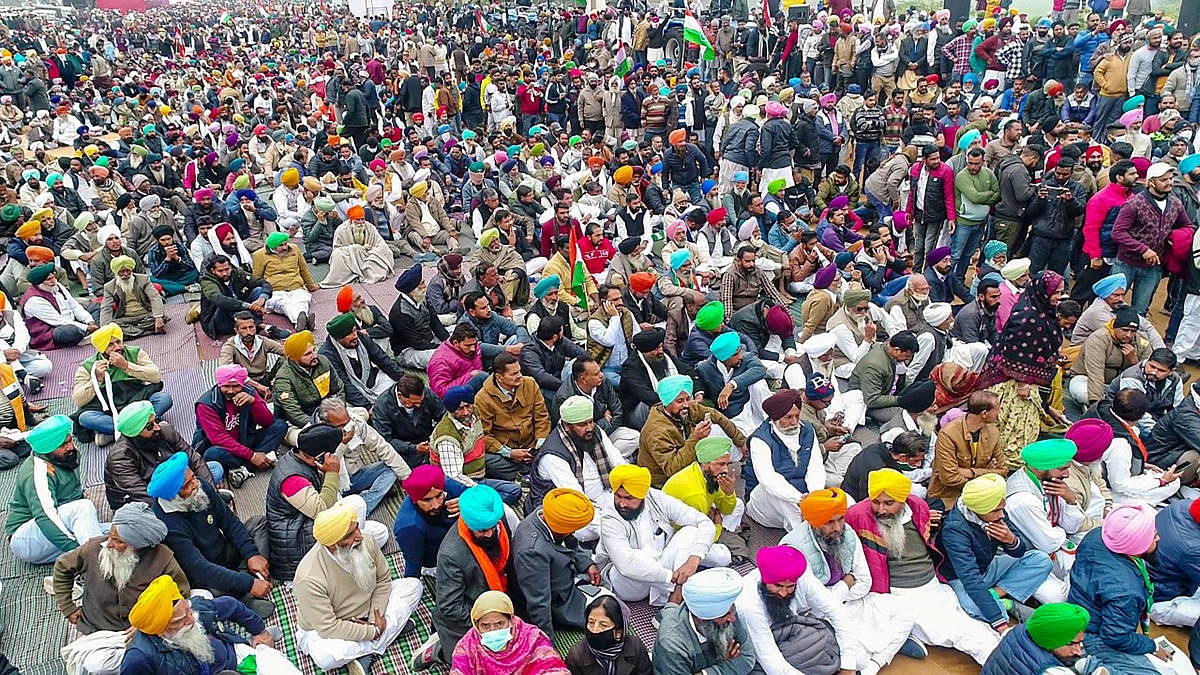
(518, 422)
(818, 308)
(666, 445)
(285, 272)
(1101, 360)
(957, 459)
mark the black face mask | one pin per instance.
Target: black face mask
(69, 461)
(603, 640)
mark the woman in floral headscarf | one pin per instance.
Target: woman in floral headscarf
(1028, 348)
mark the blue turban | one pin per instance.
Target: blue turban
(480, 507)
(968, 138)
(546, 285)
(1109, 285)
(726, 345)
(445, 128)
(168, 477)
(710, 593)
(707, 185)
(1132, 103)
(656, 168)
(1190, 163)
(52, 179)
(409, 280)
(49, 436)
(842, 258)
(237, 164)
(246, 193)
(994, 248)
(795, 81)
(456, 396)
(741, 176)
(467, 134)
(680, 257)
(669, 387)
(508, 166)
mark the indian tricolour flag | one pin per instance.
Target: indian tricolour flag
(483, 24)
(693, 33)
(578, 273)
(624, 63)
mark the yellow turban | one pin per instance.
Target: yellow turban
(566, 511)
(623, 175)
(332, 524)
(296, 344)
(29, 229)
(290, 178)
(41, 214)
(635, 479)
(895, 484)
(419, 189)
(152, 611)
(104, 336)
(822, 506)
(983, 494)
(488, 236)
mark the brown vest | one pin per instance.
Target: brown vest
(106, 608)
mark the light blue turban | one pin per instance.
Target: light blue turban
(726, 345)
(968, 138)
(480, 507)
(710, 593)
(680, 257)
(1109, 285)
(669, 388)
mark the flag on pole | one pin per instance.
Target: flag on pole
(225, 17)
(483, 24)
(693, 33)
(578, 273)
(624, 63)
(767, 14)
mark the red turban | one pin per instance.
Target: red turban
(345, 298)
(642, 282)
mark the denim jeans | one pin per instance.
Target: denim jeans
(876, 203)
(1018, 577)
(372, 483)
(612, 374)
(102, 422)
(1143, 282)
(1049, 254)
(217, 471)
(261, 440)
(692, 190)
(510, 492)
(864, 151)
(963, 245)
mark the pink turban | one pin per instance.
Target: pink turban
(1130, 118)
(817, 25)
(376, 164)
(673, 228)
(780, 563)
(231, 373)
(776, 109)
(779, 322)
(899, 221)
(1142, 165)
(828, 99)
(375, 192)
(1151, 124)
(1092, 437)
(1129, 529)
(500, 157)
(202, 193)
(423, 479)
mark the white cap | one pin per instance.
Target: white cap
(1158, 169)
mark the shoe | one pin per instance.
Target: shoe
(193, 314)
(227, 495)
(237, 477)
(104, 439)
(48, 585)
(913, 649)
(365, 662)
(33, 385)
(426, 654)
(312, 321)
(262, 607)
(409, 627)
(302, 321)
(277, 333)
(192, 288)
(355, 668)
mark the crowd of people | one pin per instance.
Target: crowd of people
(826, 334)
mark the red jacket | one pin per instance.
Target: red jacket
(946, 174)
(596, 258)
(862, 520)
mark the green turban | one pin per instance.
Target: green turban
(241, 182)
(712, 447)
(1053, 453)
(576, 410)
(139, 150)
(710, 316)
(276, 239)
(324, 204)
(476, 167)
(854, 296)
(49, 435)
(670, 387)
(1056, 625)
(121, 262)
(776, 185)
(38, 274)
(341, 325)
(133, 419)
(10, 213)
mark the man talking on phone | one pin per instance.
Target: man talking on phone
(1043, 507)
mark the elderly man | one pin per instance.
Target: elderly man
(985, 556)
(116, 375)
(303, 380)
(708, 486)
(793, 622)
(212, 546)
(143, 443)
(647, 364)
(785, 463)
(1016, 278)
(904, 308)
(234, 426)
(675, 426)
(734, 379)
(967, 448)
(370, 465)
(180, 635)
(1110, 296)
(1045, 509)
(895, 527)
(835, 556)
(52, 315)
(429, 510)
(514, 416)
(1050, 641)
(475, 556)
(415, 329)
(303, 484)
(365, 369)
(342, 579)
(131, 301)
(702, 632)
(283, 267)
(650, 542)
(112, 570)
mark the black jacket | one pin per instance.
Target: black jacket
(379, 359)
(545, 365)
(650, 310)
(635, 384)
(404, 431)
(132, 462)
(872, 457)
(414, 327)
(230, 297)
(604, 399)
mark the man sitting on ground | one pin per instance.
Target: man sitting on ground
(143, 444)
(429, 510)
(132, 301)
(366, 371)
(234, 426)
(702, 632)
(370, 466)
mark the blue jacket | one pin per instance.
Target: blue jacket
(825, 133)
(150, 655)
(237, 218)
(1018, 654)
(696, 349)
(686, 168)
(1109, 586)
(969, 551)
(419, 538)
(199, 540)
(1176, 568)
(780, 239)
(793, 472)
(1085, 44)
(749, 371)
(946, 290)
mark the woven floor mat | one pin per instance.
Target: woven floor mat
(34, 629)
(62, 375)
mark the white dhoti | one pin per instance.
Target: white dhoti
(883, 626)
(725, 177)
(1187, 341)
(535, 266)
(330, 654)
(939, 620)
(769, 175)
(673, 555)
(98, 653)
(769, 512)
(837, 463)
(625, 440)
(289, 303)
(1182, 611)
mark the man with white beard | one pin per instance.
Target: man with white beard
(113, 570)
(342, 579)
(176, 635)
(785, 463)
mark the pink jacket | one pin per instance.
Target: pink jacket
(448, 367)
(1113, 196)
(946, 174)
(862, 520)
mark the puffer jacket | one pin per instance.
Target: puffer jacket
(775, 144)
(290, 531)
(1018, 654)
(1054, 217)
(740, 144)
(1110, 587)
(1175, 569)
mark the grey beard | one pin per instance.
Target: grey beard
(193, 640)
(828, 546)
(197, 501)
(892, 531)
(360, 566)
(717, 637)
(116, 566)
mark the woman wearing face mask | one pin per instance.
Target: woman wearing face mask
(500, 642)
(609, 647)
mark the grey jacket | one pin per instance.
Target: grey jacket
(546, 572)
(1016, 188)
(677, 650)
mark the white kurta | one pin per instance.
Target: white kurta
(774, 502)
(558, 472)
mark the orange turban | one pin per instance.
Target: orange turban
(678, 136)
(642, 282)
(595, 162)
(39, 254)
(623, 175)
(822, 506)
(345, 299)
(356, 213)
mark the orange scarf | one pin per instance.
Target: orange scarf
(493, 571)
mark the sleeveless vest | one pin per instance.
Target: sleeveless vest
(792, 471)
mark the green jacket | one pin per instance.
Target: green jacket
(827, 191)
(975, 193)
(874, 375)
(41, 489)
(296, 394)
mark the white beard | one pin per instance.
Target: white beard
(892, 530)
(791, 439)
(359, 564)
(197, 501)
(117, 566)
(193, 640)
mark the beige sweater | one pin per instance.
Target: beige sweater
(329, 600)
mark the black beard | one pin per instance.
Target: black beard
(436, 516)
(711, 483)
(777, 608)
(70, 461)
(490, 545)
(630, 514)
(585, 444)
